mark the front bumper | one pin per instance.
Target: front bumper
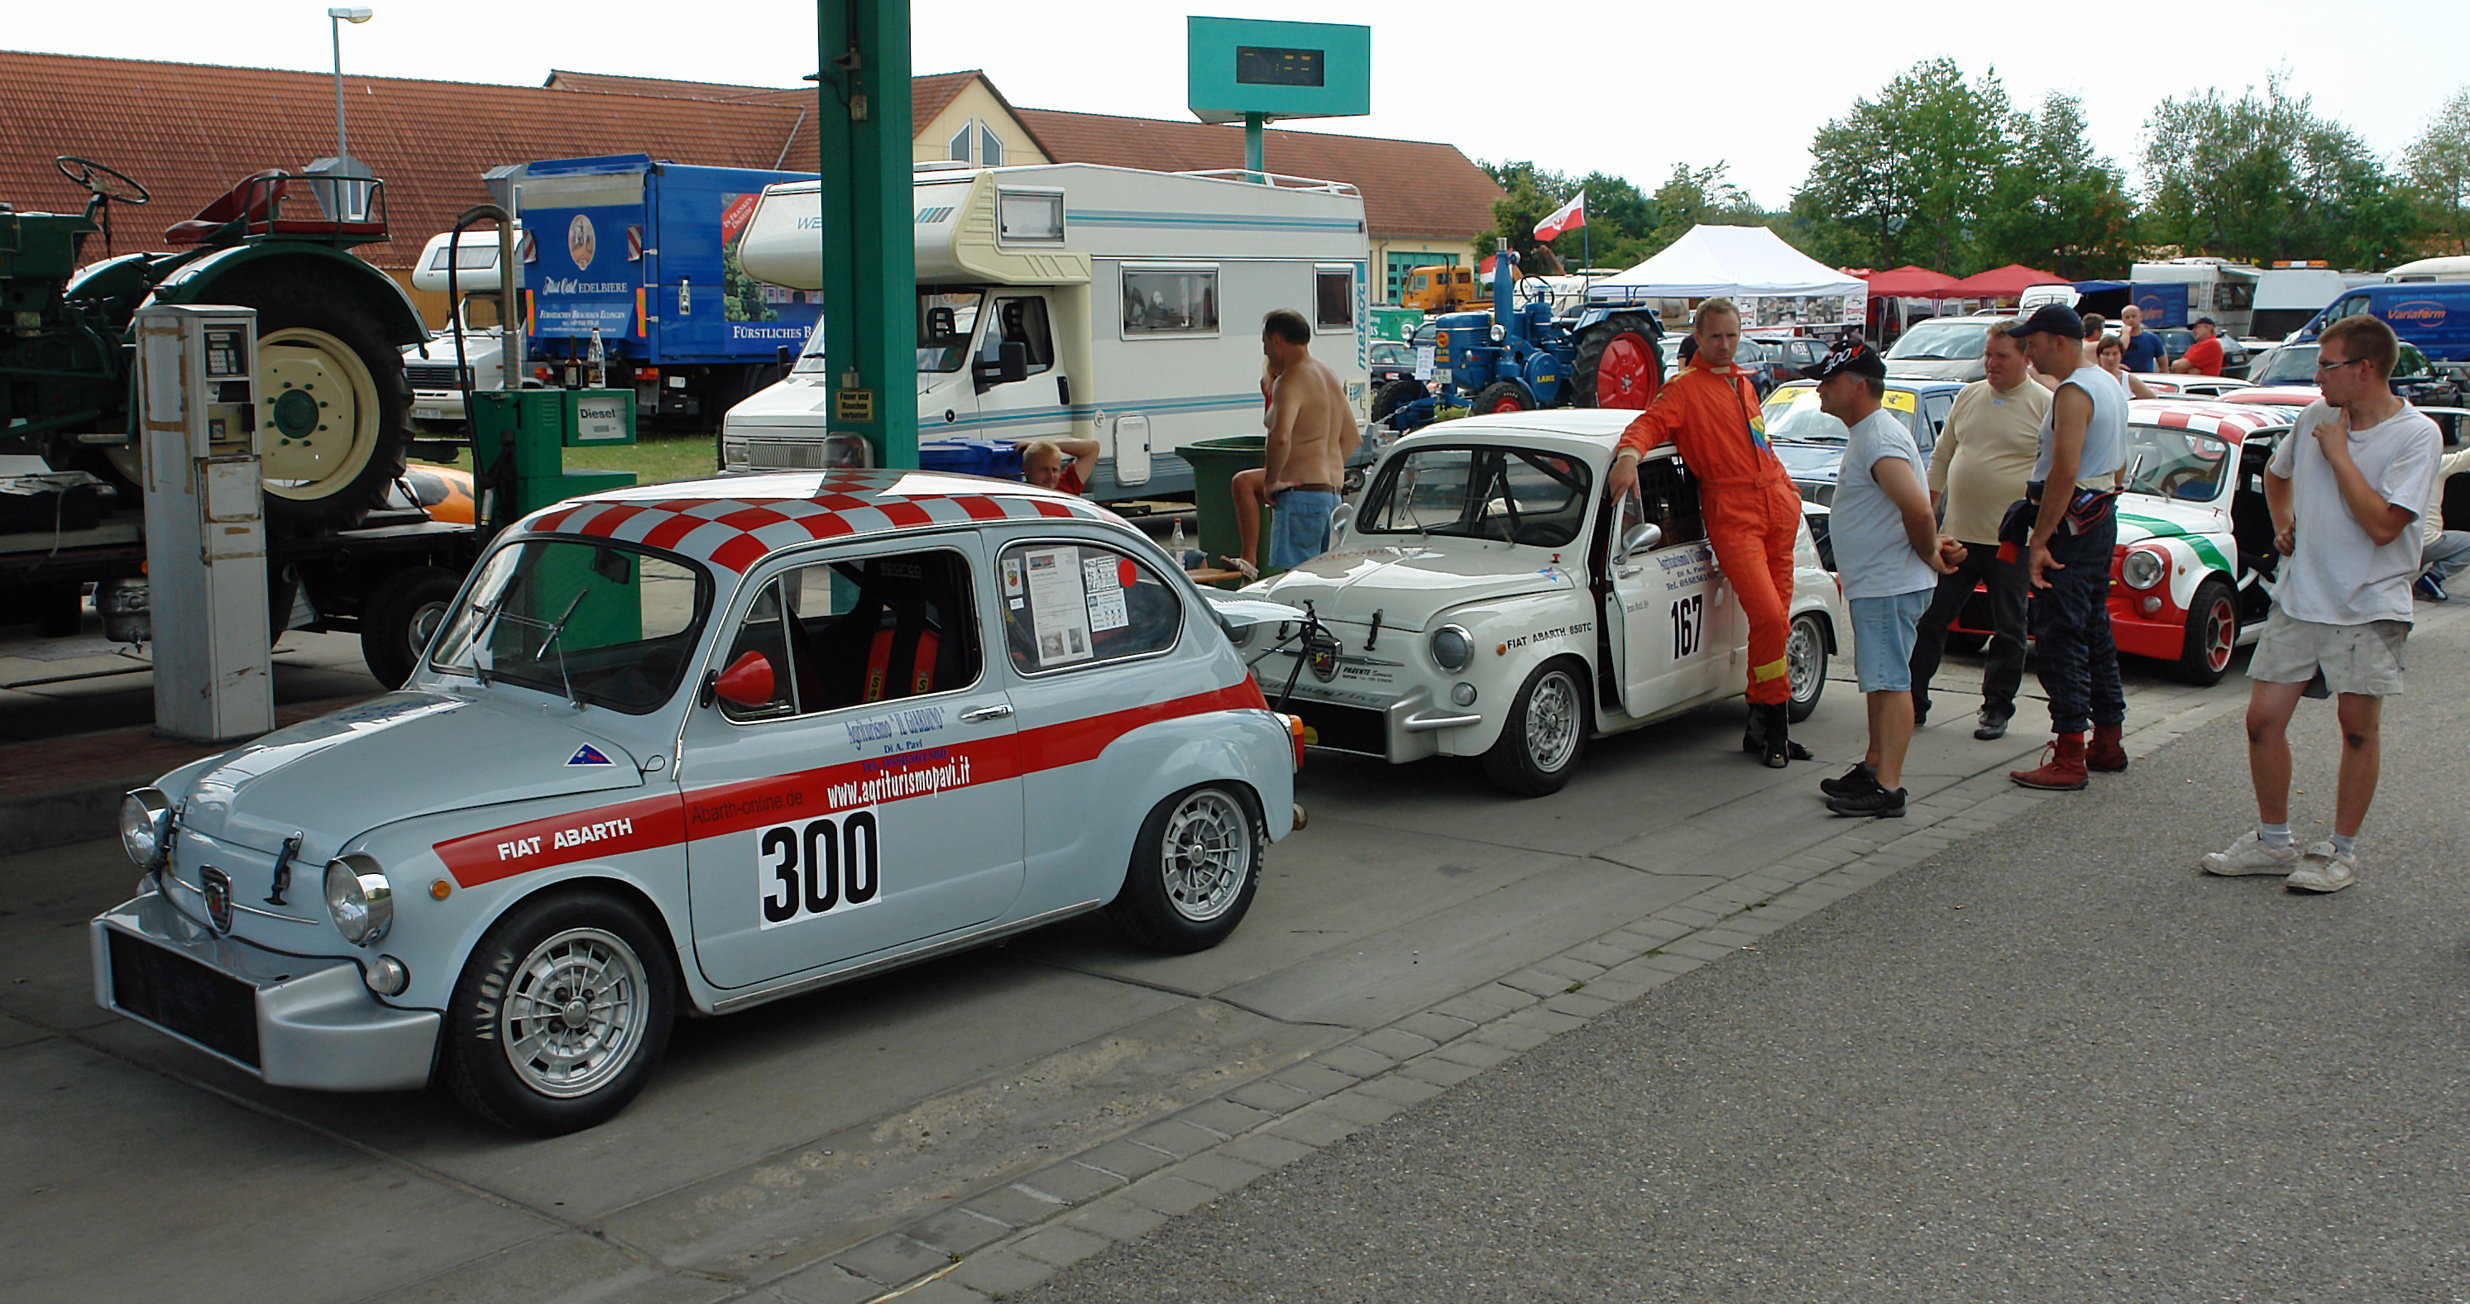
(1408, 728)
(293, 1021)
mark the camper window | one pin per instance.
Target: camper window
(1333, 293)
(1030, 216)
(1170, 301)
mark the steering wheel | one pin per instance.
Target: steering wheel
(1542, 293)
(88, 173)
(2183, 475)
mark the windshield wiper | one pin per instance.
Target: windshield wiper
(480, 636)
(555, 632)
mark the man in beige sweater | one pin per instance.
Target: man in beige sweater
(1984, 456)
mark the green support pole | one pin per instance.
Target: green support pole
(1252, 147)
(869, 254)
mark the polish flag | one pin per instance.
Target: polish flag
(1568, 217)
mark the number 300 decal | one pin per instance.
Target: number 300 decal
(820, 866)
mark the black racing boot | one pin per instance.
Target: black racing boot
(1773, 725)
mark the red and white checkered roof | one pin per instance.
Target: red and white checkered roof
(737, 521)
(2230, 421)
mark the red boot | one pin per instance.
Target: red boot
(2061, 770)
(2105, 752)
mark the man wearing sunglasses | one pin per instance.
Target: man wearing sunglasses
(2346, 487)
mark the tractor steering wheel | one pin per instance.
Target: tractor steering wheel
(88, 173)
(1542, 293)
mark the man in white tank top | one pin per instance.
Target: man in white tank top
(2083, 443)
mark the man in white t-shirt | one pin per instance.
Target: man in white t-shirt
(2346, 488)
(1889, 554)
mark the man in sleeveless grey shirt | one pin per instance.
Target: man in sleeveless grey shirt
(2067, 556)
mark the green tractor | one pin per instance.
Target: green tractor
(333, 406)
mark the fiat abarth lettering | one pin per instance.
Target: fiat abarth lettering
(714, 744)
(1487, 601)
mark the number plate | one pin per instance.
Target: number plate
(1440, 376)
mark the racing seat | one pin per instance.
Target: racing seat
(253, 199)
(893, 642)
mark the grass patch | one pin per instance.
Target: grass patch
(656, 460)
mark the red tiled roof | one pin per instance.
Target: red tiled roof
(1410, 187)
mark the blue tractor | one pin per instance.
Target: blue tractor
(1518, 357)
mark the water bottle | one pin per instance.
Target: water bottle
(1175, 545)
(599, 360)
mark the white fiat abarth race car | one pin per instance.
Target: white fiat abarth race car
(1486, 601)
(705, 745)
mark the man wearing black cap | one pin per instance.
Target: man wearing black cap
(2073, 527)
(1889, 554)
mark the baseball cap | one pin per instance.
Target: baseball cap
(2052, 318)
(1856, 357)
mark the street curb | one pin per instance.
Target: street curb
(1018, 1233)
(56, 819)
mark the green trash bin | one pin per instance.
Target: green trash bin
(1214, 464)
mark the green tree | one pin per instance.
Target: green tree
(2055, 204)
(1697, 197)
(2438, 164)
(2262, 178)
(1619, 217)
(1903, 178)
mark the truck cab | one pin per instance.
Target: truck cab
(1439, 288)
(430, 366)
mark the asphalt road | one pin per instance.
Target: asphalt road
(2053, 1063)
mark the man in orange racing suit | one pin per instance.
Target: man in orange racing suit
(1709, 411)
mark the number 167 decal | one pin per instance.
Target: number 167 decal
(819, 866)
(1689, 625)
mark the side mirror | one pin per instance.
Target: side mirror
(1011, 364)
(1641, 537)
(747, 683)
(1339, 520)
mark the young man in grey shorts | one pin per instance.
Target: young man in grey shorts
(2346, 487)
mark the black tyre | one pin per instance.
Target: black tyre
(1194, 870)
(333, 404)
(2212, 631)
(1500, 396)
(1616, 364)
(399, 617)
(560, 1015)
(1395, 395)
(1545, 733)
(1805, 665)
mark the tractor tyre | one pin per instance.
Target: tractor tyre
(334, 407)
(1395, 395)
(1617, 365)
(1500, 396)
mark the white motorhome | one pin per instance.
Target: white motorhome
(1071, 300)
(437, 398)
(2217, 288)
(2451, 267)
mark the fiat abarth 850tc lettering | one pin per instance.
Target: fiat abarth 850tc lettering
(713, 743)
(1487, 601)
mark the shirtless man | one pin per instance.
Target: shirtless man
(1311, 431)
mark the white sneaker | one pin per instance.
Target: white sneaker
(2325, 869)
(2252, 855)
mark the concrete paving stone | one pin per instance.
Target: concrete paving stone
(1536, 981)
(1401, 1088)
(1126, 1160)
(1271, 1151)
(1671, 961)
(1000, 1272)
(1603, 953)
(1313, 1079)
(1652, 933)
(1585, 1005)
(1510, 1036)
(1225, 1118)
(1177, 1137)
(1062, 1246)
(1692, 916)
(1783, 913)
(1731, 934)
(1070, 1182)
(821, 1284)
(1168, 1193)
(1011, 1206)
(1315, 1126)
(1218, 1170)
(1433, 1026)
(1360, 1106)
(1570, 967)
(1547, 1020)
(1485, 1003)
(891, 1258)
(1116, 1218)
(958, 1231)
(1394, 1043)
(1272, 1098)
(573, 1256)
(1619, 991)
(1355, 1060)
(943, 1290)
(1698, 950)
(1475, 1053)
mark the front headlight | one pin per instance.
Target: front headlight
(1452, 648)
(2143, 569)
(358, 898)
(145, 826)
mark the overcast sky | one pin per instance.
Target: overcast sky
(1626, 89)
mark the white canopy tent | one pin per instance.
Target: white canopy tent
(1777, 286)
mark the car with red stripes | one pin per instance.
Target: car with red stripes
(692, 748)
(2191, 576)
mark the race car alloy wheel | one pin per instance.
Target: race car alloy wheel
(1194, 869)
(1805, 664)
(560, 1014)
(1546, 731)
(2212, 631)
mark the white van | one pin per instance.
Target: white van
(437, 398)
(1135, 299)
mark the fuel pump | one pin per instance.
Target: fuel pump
(205, 521)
